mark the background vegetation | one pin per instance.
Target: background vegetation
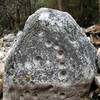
(13, 13)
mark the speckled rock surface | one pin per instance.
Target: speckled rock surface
(52, 59)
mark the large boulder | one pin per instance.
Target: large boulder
(51, 60)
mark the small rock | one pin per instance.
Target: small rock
(89, 38)
(1, 75)
(9, 38)
(97, 80)
(98, 57)
(98, 51)
(7, 44)
(1, 67)
(2, 49)
(1, 85)
(2, 55)
(1, 43)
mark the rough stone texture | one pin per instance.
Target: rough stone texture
(51, 60)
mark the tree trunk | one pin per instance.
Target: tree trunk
(60, 5)
(25, 8)
(81, 7)
(30, 9)
(99, 10)
(18, 15)
(29, 6)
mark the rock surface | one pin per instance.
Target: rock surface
(51, 60)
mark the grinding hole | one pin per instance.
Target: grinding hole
(60, 54)
(26, 92)
(62, 95)
(61, 63)
(48, 44)
(35, 95)
(38, 58)
(63, 73)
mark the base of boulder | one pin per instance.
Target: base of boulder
(46, 92)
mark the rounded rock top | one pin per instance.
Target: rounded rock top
(52, 50)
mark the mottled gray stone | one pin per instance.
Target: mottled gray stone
(51, 60)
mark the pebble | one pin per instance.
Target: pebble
(9, 38)
(5, 44)
(97, 80)
(1, 67)
(2, 55)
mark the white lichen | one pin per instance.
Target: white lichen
(41, 34)
(44, 16)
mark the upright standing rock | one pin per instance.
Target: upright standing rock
(51, 60)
